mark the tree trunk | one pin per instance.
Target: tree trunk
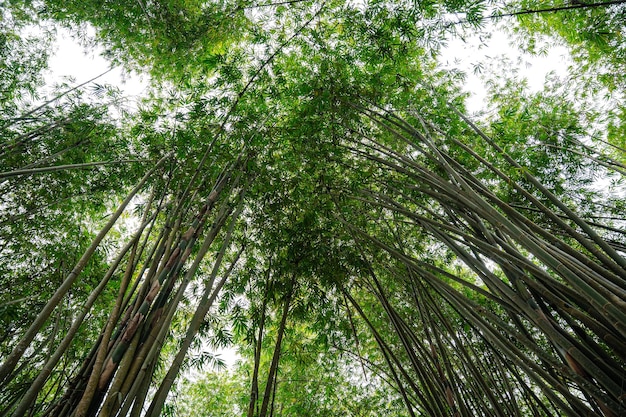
(254, 384)
(275, 358)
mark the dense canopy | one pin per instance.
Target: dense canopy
(304, 188)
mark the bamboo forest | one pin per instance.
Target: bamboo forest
(313, 209)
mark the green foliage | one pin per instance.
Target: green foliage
(23, 57)
(215, 394)
(389, 255)
(594, 35)
(179, 39)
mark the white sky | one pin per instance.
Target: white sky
(70, 59)
(466, 55)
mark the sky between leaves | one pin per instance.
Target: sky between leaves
(474, 55)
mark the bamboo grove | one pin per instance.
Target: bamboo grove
(304, 184)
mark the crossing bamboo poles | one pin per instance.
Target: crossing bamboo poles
(547, 281)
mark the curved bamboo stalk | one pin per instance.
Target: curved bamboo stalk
(33, 171)
(17, 352)
(209, 295)
(38, 383)
(90, 389)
